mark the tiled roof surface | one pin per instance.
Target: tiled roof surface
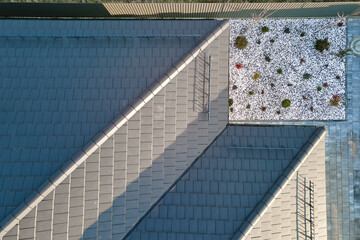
(279, 221)
(343, 155)
(56, 93)
(118, 183)
(218, 192)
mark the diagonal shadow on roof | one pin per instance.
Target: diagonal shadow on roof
(57, 93)
(217, 193)
(107, 188)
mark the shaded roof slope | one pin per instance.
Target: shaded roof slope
(279, 220)
(63, 81)
(107, 194)
(216, 195)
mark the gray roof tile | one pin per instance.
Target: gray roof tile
(154, 175)
(216, 192)
(60, 115)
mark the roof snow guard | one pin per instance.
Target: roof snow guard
(279, 185)
(49, 185)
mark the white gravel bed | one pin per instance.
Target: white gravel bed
(286, 52)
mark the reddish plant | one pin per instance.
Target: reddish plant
(335, 101)
(302, 61)
(325, 84)
(239, 65)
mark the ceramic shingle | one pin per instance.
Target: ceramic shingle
(279, 221)
(63, 81)
(222, 203)
(111, 190)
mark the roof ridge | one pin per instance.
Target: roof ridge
(59, 176)
(269, 198)
(186, 171)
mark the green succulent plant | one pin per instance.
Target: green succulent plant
(256, 76)
(322, 44)
(306, 76)
(264, 29)
(286, 103)
(231, 101)
(241, 42)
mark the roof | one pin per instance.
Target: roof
(168, 165)
(114, 179)
(279, 220)
(62, 82)
(223, 193)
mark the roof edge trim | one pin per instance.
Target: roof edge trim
(243, 231)
(34, 199)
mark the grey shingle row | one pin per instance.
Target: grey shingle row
(205, 202)
(118, 182)
(279, 221)
(58, 93)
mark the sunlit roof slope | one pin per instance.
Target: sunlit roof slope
(61, 82)
(104, 195)
(239, 173)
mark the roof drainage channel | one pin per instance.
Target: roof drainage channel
(49, 185)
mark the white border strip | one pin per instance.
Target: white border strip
(279, 185)
(49, 185)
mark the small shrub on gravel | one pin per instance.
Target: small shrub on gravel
(258, 41)
(306, 76)
(302, 61)
(285, 103)
(231, 109)
(279, 71)
(264, 29)
(231, 102)
(303, 34)
(335, 101)
(338, 77)
(312, 108)
(267, 58)
(241, 42)
(234, 87)
(239, 66)
(343, 52)
(325, 85)
(319, 88)
(263, 109)
(272, 40)
(278, 112)
(256, 76)
(287, 30)
(248, 106)
(290, 84)
(251, 93)
(272, 85)
(322, 44)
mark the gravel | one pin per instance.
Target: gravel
(307, 103)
